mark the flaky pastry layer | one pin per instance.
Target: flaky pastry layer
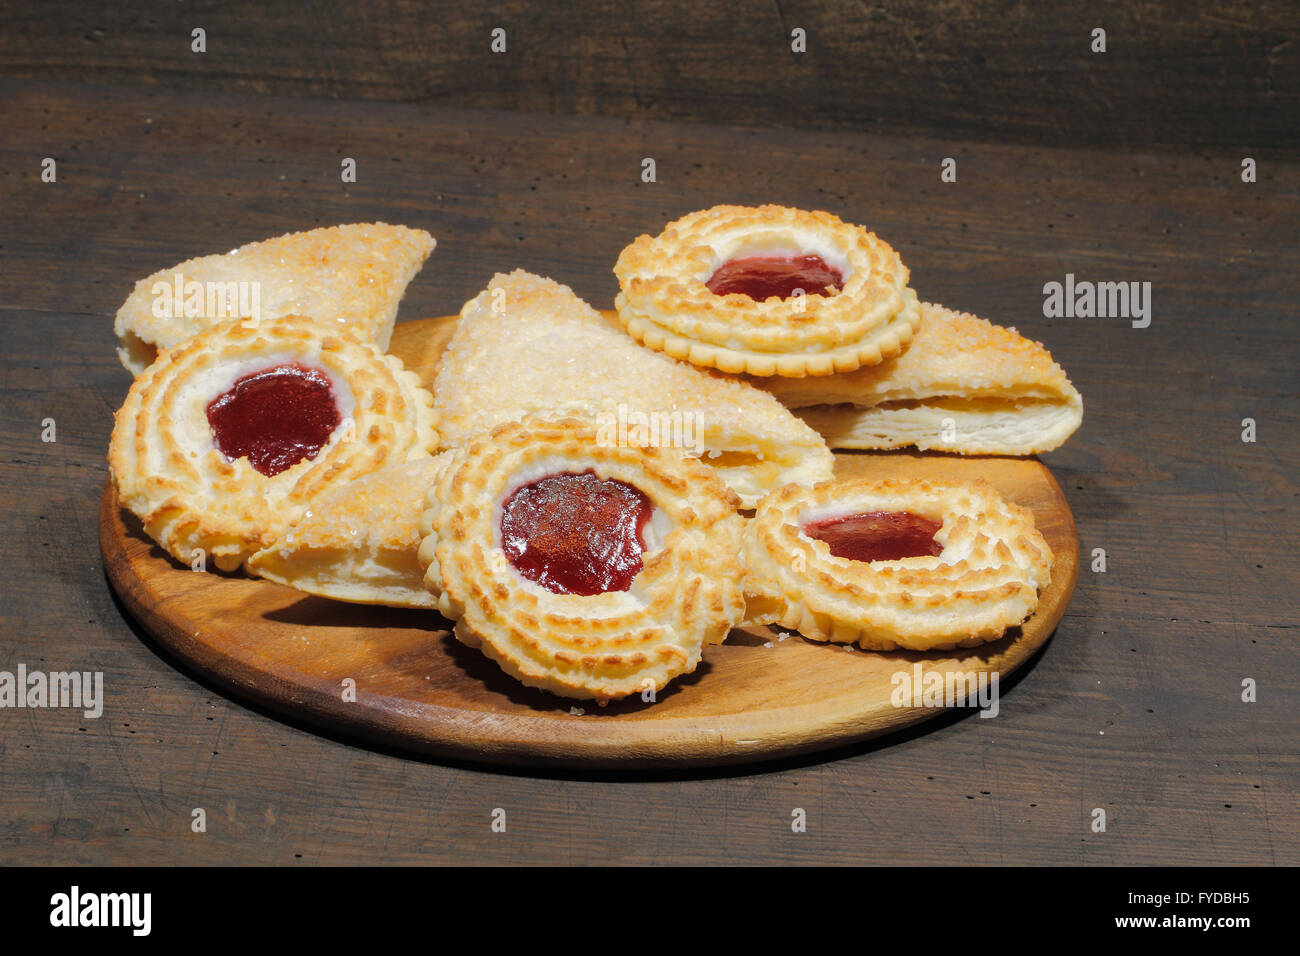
(665, 303)
(987, 578)
(350, 278)
(527, 345)
(359, 543)
(604, 646)
(962, 385)
(189, 496)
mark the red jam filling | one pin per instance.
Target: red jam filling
(275, 417)
(877, 535)
(576, 533)
(761, 277)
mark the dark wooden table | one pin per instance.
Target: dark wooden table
(1134, 706)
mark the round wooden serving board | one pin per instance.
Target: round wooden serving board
(417, 688)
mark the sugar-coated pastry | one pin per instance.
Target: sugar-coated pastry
(348, 277)
(921, 565)
(528, 346)
(359, 542)
(962, 385)
(226, 439)
(588, 570)
(770, 291)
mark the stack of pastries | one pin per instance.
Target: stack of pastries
(592, 497)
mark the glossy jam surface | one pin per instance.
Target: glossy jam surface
(761, 277)
(575, 533)
(275, 417)
(877, 535)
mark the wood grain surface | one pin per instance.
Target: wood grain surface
(1174, 74)
(758, 696)
(1135, 707)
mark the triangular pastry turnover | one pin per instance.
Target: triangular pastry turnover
(359, 542)
(349, 277)
(963, 385)
(527, 345)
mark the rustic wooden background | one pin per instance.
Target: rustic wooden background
(1133, 707)
(1175, 72)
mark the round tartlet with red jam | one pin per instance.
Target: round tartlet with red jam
(226, 439)
(590, 570)
(767, 291)
(888, 564)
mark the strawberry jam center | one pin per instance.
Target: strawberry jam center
(761, 277)
(275, 417)
(877, 535)
(575, 533)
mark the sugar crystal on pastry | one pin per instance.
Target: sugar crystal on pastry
(351, 277)
(358, 543)
(962, 385)
(527, 345)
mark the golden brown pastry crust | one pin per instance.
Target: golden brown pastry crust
(527, 345)
(999, 392)
(665, 304)
(349, 278)
(994, 563)
(168, 472)
(358, 543)
(602, 646)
